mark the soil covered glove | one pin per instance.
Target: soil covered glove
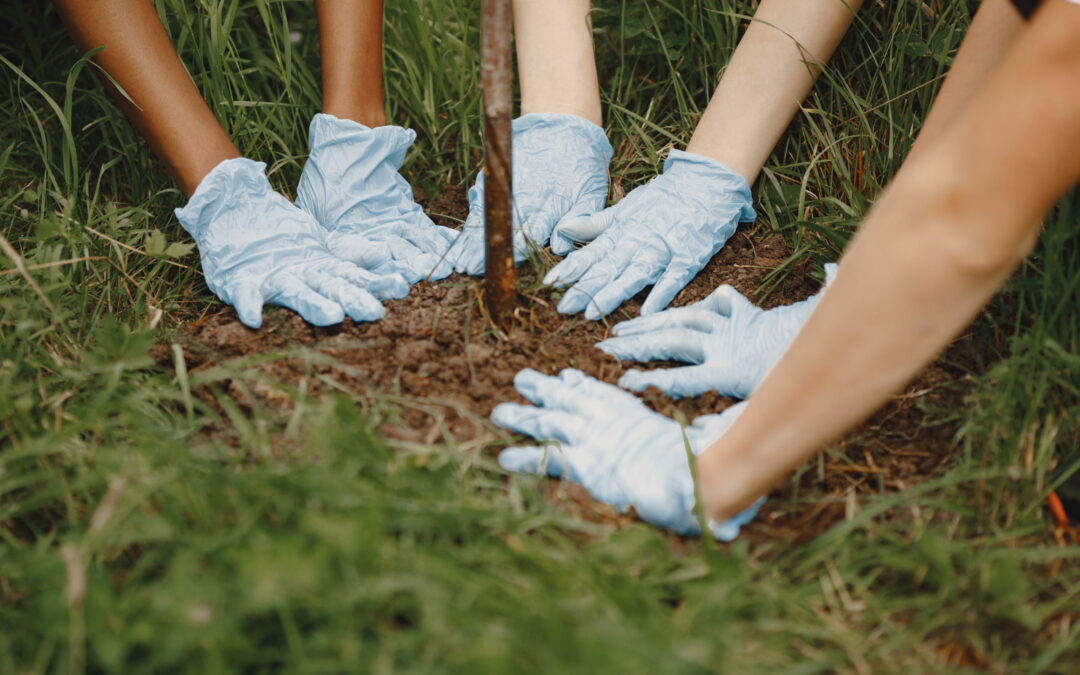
(662, 233)
(352, 186)
(619, 450)
(733, 343)
(256, 248)
(560, 172)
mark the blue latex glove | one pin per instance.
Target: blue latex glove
(560, 165)
(256, 248)
(619, 450)
(662, 233)
(352, 186)
(733, 343)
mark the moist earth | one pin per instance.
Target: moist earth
(440, 368)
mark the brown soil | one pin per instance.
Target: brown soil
(443, 368)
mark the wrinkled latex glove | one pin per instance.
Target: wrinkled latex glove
(732, 343)
(256, 248)
(619, 450)
(352, 186)
(662, 233)
(560, 172)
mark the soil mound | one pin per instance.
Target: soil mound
(437, 359)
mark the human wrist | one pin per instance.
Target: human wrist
(687, 160)
(721, 178)
(725, 478)
(555, 106)
(742, 163)
(592, 133)
(370, 113)
(556, 64)
(329, 128)
(222, 185)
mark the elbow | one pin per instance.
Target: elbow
(979, 242)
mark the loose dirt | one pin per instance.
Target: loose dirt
(441, 368)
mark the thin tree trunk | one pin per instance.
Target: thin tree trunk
(500, 287)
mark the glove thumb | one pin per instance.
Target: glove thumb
(726, 301)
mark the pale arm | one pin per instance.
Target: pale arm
(768, 76)
(556, 65)
(946, 234)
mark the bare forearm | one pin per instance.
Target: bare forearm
(350, 43)
(768, 76)
(556, 64)
(943, 238)
(164, 104)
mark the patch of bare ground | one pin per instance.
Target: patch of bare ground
(436, 352)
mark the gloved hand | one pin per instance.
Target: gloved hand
(256, 247)
(662, 233)
(619, 450)
(351, 185)
(560, 165)
(733, 343)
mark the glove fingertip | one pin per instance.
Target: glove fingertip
(323, 316)
(398, 287)
(252, 320)
(505, 414)
(393, 286)
(726, 531)
(552, 276)
(249, 304)
(365, 307)
(522, 460)
(655, 303)
(611, 348)
(564, 273)
(730, 528)
(633, 381)
(665, 290)
(367, 315)
(602, 305)
(572, 303)
(560, 245)
(528, 381)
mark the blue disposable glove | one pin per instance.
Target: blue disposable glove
(256, 247)
(619, 450)
(662, 233)
(352, 186)
(560, 165)
(733, 343)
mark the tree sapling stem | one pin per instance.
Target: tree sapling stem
(500, 286)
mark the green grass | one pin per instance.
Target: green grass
(142, 530)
